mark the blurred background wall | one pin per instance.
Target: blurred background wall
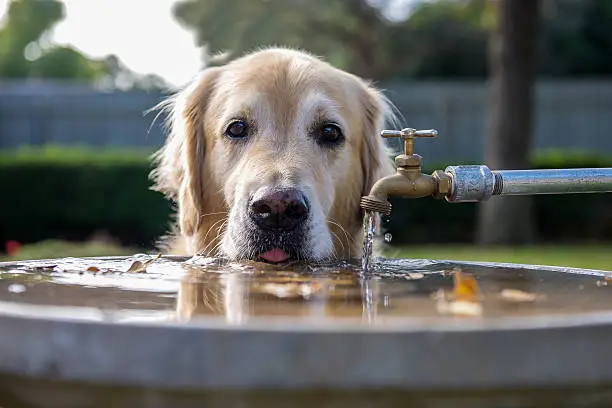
(77, 78)
(570, 115)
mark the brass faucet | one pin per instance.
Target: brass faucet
(408, 181)
(474, 183)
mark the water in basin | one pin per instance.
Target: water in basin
(171, 331)
(392, 292)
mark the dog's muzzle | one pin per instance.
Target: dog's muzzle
(279, 216)
(279, 210)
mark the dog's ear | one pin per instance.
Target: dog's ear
(376, 159)
(179, 163)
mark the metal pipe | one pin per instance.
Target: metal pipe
(479, 183)
(562, 181)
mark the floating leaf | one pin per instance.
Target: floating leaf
(459, 308)
(464, 299)
(93, 269)
(141, 266)
(138, 267)
(284, 291)
(518, 296)
(465, 286)
(293, 290)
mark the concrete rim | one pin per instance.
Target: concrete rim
(458, 353)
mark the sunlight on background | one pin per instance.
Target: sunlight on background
(151, 43)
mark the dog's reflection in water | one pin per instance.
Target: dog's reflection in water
(237, 296)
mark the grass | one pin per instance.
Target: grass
(578, 256)
(61, 155)
(59, 249)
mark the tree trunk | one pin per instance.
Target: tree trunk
(510, 220)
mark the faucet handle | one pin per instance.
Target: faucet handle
(408, 135)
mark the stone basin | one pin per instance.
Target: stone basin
(187, 332)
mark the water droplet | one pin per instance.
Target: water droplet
(16, 288)
(388, 237)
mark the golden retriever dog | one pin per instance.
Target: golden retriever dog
(268, 156)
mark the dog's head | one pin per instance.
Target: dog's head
(269, 155)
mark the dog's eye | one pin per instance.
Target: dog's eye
(236, 130)
(331, 134)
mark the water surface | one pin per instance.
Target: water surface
(186, 290)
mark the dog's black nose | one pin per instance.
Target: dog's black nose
(280, 210)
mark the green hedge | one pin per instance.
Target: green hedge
(72, 193)
(560, 218)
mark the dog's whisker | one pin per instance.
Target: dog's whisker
(217, 243)
(346, 234)
(203, 249)
(214, 213)
(212, 227)
(334, 253)
(222, 227)
(349, 240)
(216, 250)
(337, 238)
(221, 221)
(336, 223)
(206, 248)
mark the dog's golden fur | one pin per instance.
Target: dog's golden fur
(282, 92)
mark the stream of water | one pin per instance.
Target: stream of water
(368, 239)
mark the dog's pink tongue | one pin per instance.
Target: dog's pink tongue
(275, 255)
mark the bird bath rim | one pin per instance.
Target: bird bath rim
(283, 354)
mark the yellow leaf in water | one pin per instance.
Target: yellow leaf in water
(465, 286)
(93, 269)
(464, 300)
(141, 266)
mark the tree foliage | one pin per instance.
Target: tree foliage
(353, 34)
(26, 52)
(441, 38)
